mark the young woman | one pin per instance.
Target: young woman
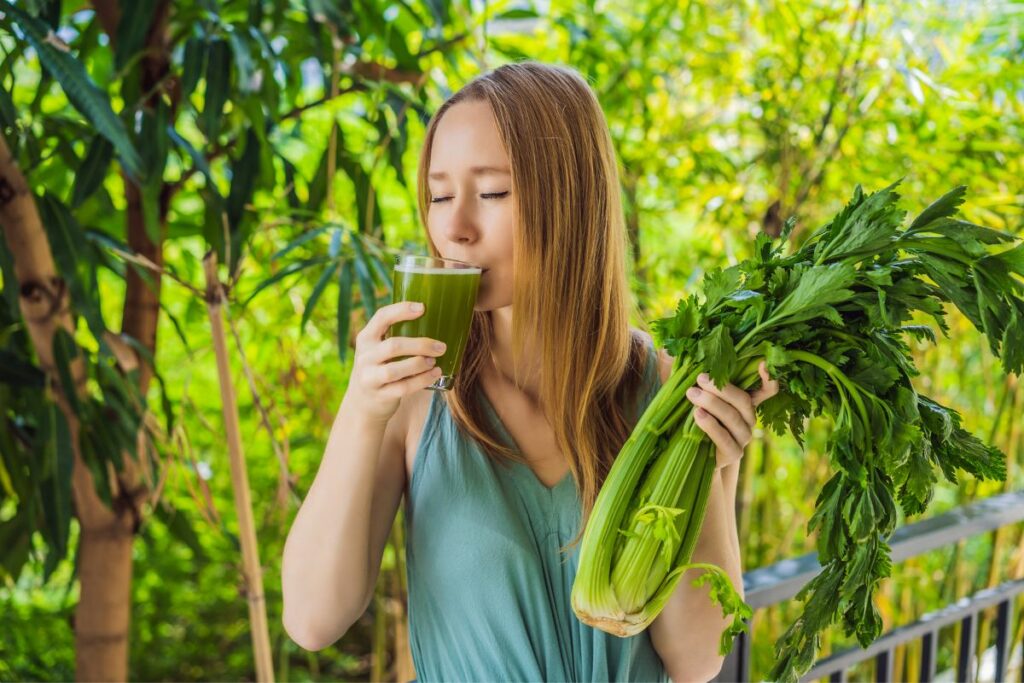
(517, 176)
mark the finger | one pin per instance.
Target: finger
(400, 369)
(386, 316)
(407, 386)
(728, 450)
(732, 394)
(769, 387)
(395, 347)
(727, 415)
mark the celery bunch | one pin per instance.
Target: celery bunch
(832, 320)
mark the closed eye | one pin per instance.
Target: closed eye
(486, 195)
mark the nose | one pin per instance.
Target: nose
(460, 225)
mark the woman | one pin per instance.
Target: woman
(518, 176)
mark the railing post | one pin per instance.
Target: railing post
(1004, 625)
(929, 652)
(883, 666)
(964, 666)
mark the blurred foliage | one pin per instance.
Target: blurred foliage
(296, 130)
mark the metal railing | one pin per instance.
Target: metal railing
(767, 586)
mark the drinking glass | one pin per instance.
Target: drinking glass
(447, 289)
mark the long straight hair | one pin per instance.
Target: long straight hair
(571, 290)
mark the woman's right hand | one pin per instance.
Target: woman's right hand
(377, 383)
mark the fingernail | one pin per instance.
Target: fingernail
(440, 346)
(700, 412)
(693, 392)
(416, 306)
(703, 377)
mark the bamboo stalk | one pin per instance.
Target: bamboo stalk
(405, 670)
(380, 632)
(913, 670)
(764, 515)
(252, 574)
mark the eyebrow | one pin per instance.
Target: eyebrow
(476, 170)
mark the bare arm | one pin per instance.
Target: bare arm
(333, 552)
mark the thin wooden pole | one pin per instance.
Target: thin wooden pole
(252, 574)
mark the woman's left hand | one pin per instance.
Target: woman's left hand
(727, 414)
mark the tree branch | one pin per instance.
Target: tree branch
(109, 14)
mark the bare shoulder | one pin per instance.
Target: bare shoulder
(664, 360)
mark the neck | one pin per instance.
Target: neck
(525, 375)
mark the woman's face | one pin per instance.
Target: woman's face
(472, 213)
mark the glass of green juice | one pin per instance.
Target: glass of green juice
(447, 289)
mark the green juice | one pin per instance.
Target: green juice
(448, 296)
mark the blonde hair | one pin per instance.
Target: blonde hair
(571, 284)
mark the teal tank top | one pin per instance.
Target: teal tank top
(488, 588)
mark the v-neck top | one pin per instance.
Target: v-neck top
(489, 590)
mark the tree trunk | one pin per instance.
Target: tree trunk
(103, 614)
(105, 545)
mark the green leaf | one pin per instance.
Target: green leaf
(1012, 347)
(917, 479)
(193, 63)
(345, 279)
(866, 226)
(137, 18)
(818, 286)
(247, 82)
(56, 494)
(290, 269)
(964, 233)
(197, 159)
(366, 288)
(299, 241)
(719, 355)
(15, 541)
(8, 112)
(920, 332)
(218, 78)
(944, 206)
(325, 277)
(180, 528)
(79, 88)
(244, 175)
(154, 141)
(367, 204)
(318, 186)
(518, 13)
(65, 350)
(17, 372)
(717, 284)
(1012, 258)
(92, 171)
(73, 262)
